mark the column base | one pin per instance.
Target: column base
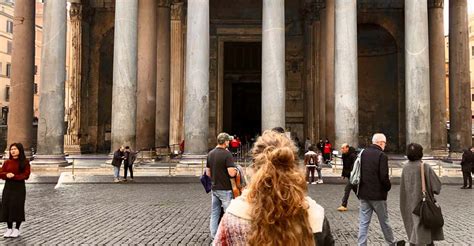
(192, 159)
(50, 160)
(72, 149)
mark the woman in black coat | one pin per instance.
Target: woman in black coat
(466, 167)
(14, 171)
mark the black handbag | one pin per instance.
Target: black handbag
(428, 210)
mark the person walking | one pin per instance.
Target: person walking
(128, 160)
(220, 167)
(117, 163)
(467, 164)
(411, 195)
(275, 208)
(15, 171)
(349, 156)
(373, 189)
(310, 161)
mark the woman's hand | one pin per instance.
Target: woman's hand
(10, 175)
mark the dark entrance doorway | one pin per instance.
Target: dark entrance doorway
(242, 88)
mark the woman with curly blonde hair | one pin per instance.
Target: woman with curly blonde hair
(274, 209)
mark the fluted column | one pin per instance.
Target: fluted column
(196, 106)
(53, 77)
(273, 64)
(329, 87)
(20, 117)
(162, 130)
(146, 74)
(73, 89)
(437, 75)
(124, 104)
(417, 72)
(346, 96)
(177, 75)
(459, 81)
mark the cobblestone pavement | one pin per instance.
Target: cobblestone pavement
(178, 214)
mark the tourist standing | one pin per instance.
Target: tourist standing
(220, 167)
(327, 151)
(310, 161)
(349, 156)
(307, 144)
(373, 189)
(128, 160)
(117, 163)
(271, 212)
(411, 195)
(15, 171)
(467, 163)
(321, 146)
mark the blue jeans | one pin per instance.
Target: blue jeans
(365, 215)
(220, 198)
(116, 172)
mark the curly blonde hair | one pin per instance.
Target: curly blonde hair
(277, 193)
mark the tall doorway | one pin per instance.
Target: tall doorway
(242, 88)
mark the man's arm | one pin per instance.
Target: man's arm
(232, 171)
(208, 172)
(383, 175)
(229, 162)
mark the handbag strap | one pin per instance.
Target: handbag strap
(423, 184)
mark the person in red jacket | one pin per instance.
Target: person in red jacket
(327, 151)
(14, 171)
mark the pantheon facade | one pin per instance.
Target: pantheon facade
(150, 74)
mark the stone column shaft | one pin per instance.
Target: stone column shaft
(73, 92)
(459, 81)
(124, 104)
(177, 75)
(417, 72)
(196, 113)
(53, 77)
(437, 75)
(330, 70)
(346, 96)
(162, 130)
(273, 64)
(20, 117)
(146, 74)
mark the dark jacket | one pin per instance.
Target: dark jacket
(117, 159)
(375, 182)
(467, 161)
(348, 160)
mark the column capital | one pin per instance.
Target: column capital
(312, 10)
(165, 3)
(177, 10)
(75, 12)
(435, 4)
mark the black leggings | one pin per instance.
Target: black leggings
(10, 225)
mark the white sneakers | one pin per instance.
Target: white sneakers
(12, 233)
(15, 233)
(8, 233)
(320, 181)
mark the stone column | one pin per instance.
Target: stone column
(177, 75)
(124, 104)
(273, 64)
(20, 117)
(437, 75)
(459, 81)
(162, 130)
(146, 74)
(417, 72)
(72, 143)
(53, 77)
(196, 113)
(329, 87)
(346, 96)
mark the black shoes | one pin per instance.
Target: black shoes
(464, 187)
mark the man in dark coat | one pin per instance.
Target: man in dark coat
(466, 168)
(117, 162)
(373, 189)
(349, 156)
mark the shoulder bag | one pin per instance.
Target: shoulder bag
(428, 210)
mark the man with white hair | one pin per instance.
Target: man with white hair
(373, 189)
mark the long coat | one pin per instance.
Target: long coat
(410, 196)
(467, 161)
